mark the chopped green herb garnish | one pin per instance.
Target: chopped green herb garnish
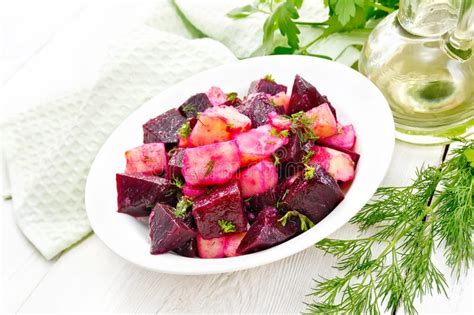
(339, 130)
(309, 172)
(268, 77)
(209, 167)
(276, 159)
(182, 207)
(301, 125)
(308, 156)
(283, 134)
(305, 222)
(177, 181)
(185, 130)
(278, 203)
(226, 226)
(189, 109)
(231, 97)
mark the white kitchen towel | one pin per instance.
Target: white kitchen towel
(49, 149)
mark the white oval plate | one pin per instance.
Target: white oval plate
(356, 100)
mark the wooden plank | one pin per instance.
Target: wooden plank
(97, 280)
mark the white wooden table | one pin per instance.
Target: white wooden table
(51, 46)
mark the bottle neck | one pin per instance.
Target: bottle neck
(428, 17)
(460, 42)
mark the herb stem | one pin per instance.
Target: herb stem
(304, 49)
(381, 7)
(316, 24)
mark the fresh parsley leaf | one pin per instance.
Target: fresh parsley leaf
(345, 9)
(282, 19)
(226, 226)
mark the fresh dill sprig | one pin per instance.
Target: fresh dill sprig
(410, 222)
(301, 125)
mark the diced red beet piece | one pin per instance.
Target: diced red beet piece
(216, 96)
(267, 199)
(323, 122)
(258, 178)
(193, 191)
(338, 164)
(164, 128)
(217, 124)
(290, 157)
(175, 163)
(257, 107)
(305, 96)
(267, 231)
(315, 198)
(232, 242)
(211, 164)
(267, 86)
(220, 203)
(292, 151)
(258, 144)
(345, 139)
(167, 231)
(147, 159)
(194, 105)
(138, 194)
(189, 249)
(232, 100)
(211, 248)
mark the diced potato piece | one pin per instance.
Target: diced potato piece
(323, 122)
(258, 178)
(211, 164)
(258, 144)
(147, 159)
(218, 124)
(338, 164)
